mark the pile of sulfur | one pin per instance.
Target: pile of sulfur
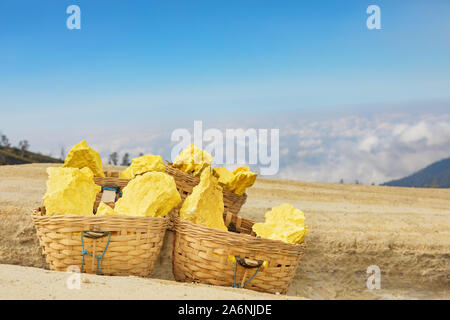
(283, 222)
(150, 192)
(193, 160)
(237, 181)
(71, 188)
(153, 194)
(142, 165)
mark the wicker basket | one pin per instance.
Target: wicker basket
(186, 182)
(202, 254)
(128, 245)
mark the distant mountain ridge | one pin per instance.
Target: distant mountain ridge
(9, 155)
(436, 175)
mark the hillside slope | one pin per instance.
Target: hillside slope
(436, 175)
(10, 155)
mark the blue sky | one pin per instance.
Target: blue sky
(163, 64)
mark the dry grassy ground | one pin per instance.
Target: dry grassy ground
(404, 231)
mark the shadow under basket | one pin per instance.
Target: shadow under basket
(112, 245)
(233, 259)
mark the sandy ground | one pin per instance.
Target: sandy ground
(403, 231)
(32, 283)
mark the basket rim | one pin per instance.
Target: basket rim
(232, 238)
(111, 181)
(37, 214)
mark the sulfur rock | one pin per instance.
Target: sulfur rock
(151, 194)
(81, 155)
(105, 210)
(193, 160)
(142, 165)
(237, 181)
(70, 191)
(225, 177)
(205, 204)
(244, 178)
(283, 222)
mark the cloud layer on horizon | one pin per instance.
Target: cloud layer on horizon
(369, 149)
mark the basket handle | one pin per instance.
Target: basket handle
(249, 263)
(95, 234)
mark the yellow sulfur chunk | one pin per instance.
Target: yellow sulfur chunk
(237, 181)
(70, 191)
(127, 173)
(105, 210)
(143, 164)
(244, 178)
(225, 177)
(205, 204)
(81, 155)
(284, 223)
(193, 160)
(152, 194)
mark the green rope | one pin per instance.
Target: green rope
(99, 258)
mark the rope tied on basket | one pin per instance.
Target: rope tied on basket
(85, 252)
(237, 285)
(243, 262)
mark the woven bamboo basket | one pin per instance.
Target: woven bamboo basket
(186, 182)
(128, 245)
(206, 255)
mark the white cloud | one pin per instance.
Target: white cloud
(310, 143)
(415, 133)
(367, 149)
(368, 143)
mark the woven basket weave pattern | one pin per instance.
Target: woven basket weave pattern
(111, 179)
(200, 254)
(134, 247)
